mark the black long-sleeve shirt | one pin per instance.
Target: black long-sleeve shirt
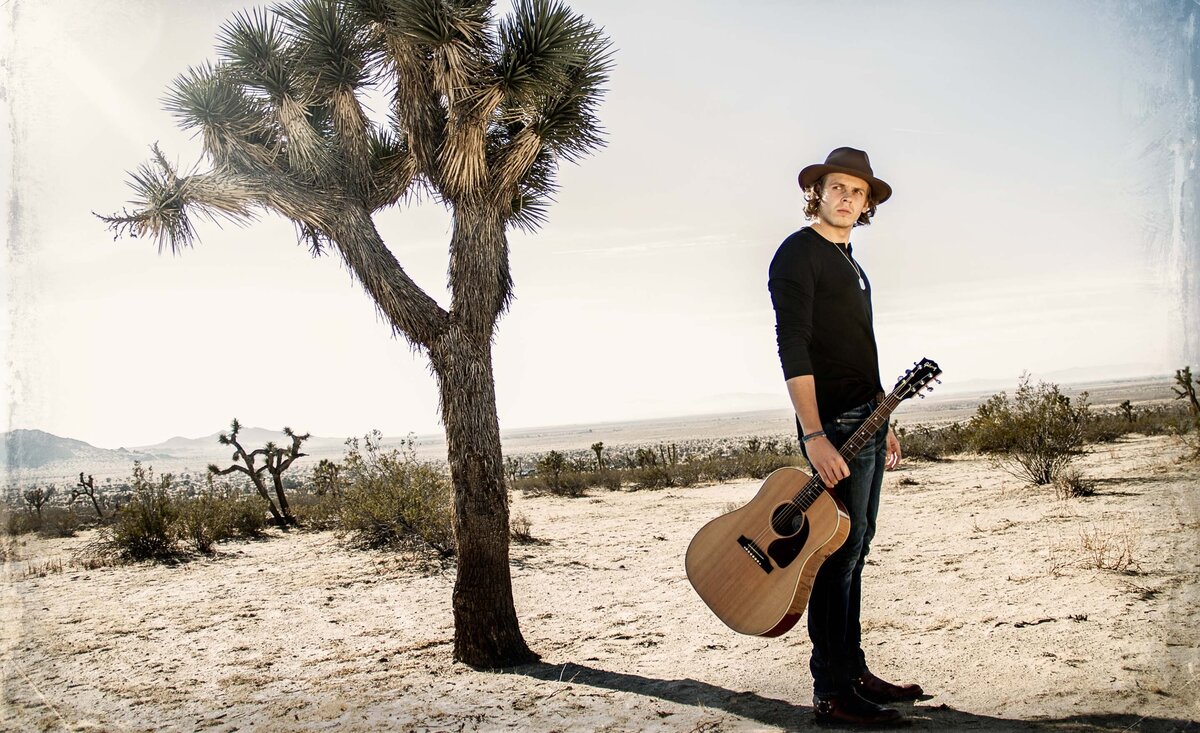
(823, 321)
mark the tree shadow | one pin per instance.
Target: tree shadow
(791, 716)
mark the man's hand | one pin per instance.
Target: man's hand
(893, 450)
(826, 459)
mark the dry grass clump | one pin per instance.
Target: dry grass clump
(520, 527)
(1072, 484)
(1100, 546)
(10, 551)
(41, 569)
(1109, 547)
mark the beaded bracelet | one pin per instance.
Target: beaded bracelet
(812, 436)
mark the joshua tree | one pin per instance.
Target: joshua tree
(247, 467)
(1127, 411)
(512, 466)
(38, 496)
(1185, 389)
(326, 479)
(598, 448)
(278, 461)
(482, 111)
(86, 488)
(551, 467)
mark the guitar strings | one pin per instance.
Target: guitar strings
(812, 490)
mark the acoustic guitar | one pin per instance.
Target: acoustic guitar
(755, 566)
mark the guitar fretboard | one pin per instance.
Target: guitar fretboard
(812, 490)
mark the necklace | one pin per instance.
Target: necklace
(857, 271)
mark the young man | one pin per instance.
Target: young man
(823, 324)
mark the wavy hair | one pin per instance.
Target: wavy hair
(812, 201)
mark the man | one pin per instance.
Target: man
(823, 323)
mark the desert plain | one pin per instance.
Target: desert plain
(1016, 610)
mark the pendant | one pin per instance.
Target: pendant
(861, 285)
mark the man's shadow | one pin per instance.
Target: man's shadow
(790, 716)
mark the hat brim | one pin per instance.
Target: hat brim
(880, 190)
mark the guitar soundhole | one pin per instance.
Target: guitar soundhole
(788, 521)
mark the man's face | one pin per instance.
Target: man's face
(843, 198)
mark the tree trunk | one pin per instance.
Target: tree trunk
(283, 502)
(262, 491)
(96, 504)
(486, 631)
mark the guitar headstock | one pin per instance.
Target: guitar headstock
(917, 378)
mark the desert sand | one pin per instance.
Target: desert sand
(978, 587)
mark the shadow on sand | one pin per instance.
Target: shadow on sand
(790, 716)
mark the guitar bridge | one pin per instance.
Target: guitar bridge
(756, 553)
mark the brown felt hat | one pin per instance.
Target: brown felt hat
(851, 162)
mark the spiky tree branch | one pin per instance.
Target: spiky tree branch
(86, 488)
(278, 461)
(246, 466)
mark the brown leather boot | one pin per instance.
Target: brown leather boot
(849, 708)
(881, 691)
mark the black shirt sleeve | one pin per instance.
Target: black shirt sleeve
(792, 284)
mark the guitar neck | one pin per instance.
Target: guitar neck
(870, 426)
(851, 447)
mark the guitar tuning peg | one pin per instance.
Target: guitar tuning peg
(929, 389)
(937, 380)
(920, 395)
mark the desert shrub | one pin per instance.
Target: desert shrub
(720, 468)
(144, 528)
(58, 521)
(652, 476)
(247, 516)
(1107, 426)
(609, 479)
(570, 483)
(315, 510)
(326, 478)
(550, 467)
(1071, 483)
(687, 473)
(18, 520)
(759, 465)
(203, 520)
(529, 484)
(391, 499)
(925, 443)
(1034, 435)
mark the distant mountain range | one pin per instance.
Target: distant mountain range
(24, 449)
(30, 449)
(250, 438)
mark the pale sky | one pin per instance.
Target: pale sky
(1038, 151)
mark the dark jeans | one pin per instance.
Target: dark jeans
(836, 599)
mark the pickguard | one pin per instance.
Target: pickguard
(795, 530)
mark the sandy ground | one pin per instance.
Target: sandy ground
(979, 588)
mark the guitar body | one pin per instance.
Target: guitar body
(755, 566)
